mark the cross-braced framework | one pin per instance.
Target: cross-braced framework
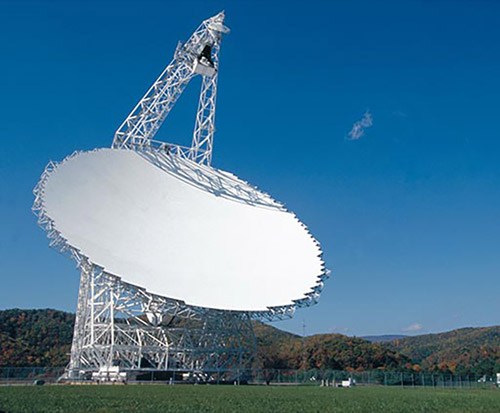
(121, 327)
(204, 129)
(198, 56)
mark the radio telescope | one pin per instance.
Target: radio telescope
(176, 256)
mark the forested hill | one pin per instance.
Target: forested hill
(35, 337)
(466, 350)
(329, 351)
(43, 338)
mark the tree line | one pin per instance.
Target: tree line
(43, 338)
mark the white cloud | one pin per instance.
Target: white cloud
(358, 129)
(413, 327)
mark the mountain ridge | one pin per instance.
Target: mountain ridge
(383, 337)
(43, 338)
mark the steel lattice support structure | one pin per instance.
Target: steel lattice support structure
(198, 56)
(122, 325)
(204, 129)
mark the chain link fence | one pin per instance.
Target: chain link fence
(334, 378)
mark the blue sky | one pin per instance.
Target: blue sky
(407, 214)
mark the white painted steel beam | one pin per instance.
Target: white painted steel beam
(198, 56)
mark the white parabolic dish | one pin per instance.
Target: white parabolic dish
(182, 230)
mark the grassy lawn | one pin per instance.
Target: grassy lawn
(162, 398)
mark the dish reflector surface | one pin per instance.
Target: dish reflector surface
(182, 230)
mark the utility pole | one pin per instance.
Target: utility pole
(304, 345)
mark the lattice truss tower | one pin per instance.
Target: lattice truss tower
(122, 325)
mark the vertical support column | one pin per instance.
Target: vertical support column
(111, 312)
(204, 129)
(111, 325)
(92, 312)
(81, 317)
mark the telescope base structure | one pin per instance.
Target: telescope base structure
(122, 332)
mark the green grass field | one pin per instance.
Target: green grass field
(162, 398)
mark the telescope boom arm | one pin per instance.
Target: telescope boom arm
(199, 55)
